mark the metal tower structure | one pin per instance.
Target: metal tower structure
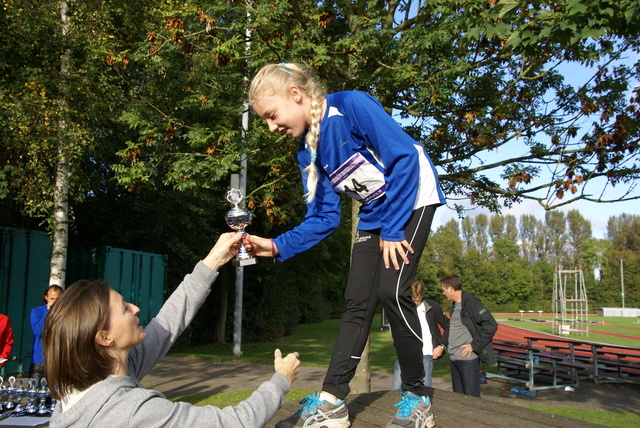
(570, 303)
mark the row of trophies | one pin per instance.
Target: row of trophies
(31, 399)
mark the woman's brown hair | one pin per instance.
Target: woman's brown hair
(72, 357)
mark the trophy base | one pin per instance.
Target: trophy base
(244, 262)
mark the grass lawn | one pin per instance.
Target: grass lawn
(608, 419)
(232, 398)
(314, 342)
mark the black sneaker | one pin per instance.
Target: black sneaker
(318, 413)
(414, 411)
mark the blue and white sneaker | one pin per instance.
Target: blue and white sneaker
(318, 413)
(413, 411)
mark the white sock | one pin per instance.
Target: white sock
(328, 398)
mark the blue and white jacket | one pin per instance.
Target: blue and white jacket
(364, 153)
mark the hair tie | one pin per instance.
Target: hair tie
(284, 68)
(273, 251)
(314, 156)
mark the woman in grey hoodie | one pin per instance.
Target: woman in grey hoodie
(96, 353)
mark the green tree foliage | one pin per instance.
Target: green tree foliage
(442, 255)
(28, 106)
(481, 233)
(593, 255)
(515, 281)
(527, 230)
(32, 47)
(542, 294)
(467, 78)
(578, 234)
(624, 233)
(508, 280)
(555, 238)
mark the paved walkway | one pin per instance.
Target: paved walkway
(177, 376)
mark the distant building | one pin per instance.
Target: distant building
(618, 312)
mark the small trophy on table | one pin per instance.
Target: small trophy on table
(238, 218)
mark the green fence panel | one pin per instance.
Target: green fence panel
(139, 277)
(25, 256)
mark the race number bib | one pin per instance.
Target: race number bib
(358, 178)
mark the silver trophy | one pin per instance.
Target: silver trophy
(32, 394)
(11, 402)
(238, 218)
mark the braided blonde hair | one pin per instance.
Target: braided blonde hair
(274, 79)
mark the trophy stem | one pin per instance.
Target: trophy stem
(243, 254)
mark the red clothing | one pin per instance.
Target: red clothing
(6, 338)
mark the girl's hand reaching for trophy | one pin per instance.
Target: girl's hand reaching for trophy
(261, 247)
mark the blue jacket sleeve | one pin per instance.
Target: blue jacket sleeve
(38, 316)
(398, 155)
(322, 218)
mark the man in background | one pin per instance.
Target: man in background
(38, 315)
(470, 336)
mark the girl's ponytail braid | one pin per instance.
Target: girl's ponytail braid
(313, 134)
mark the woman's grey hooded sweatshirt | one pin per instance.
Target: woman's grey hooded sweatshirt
(120, 401)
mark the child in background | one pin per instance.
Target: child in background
(432, 320)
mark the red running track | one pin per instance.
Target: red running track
(507, 333)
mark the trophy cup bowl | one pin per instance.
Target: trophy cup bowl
(238, 218)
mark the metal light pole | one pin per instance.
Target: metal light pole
(622, 280)
(241, 183)
(236, 183)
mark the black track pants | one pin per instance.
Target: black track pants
(369, 282)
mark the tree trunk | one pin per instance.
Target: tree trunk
(361, 382)
(60, 237)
